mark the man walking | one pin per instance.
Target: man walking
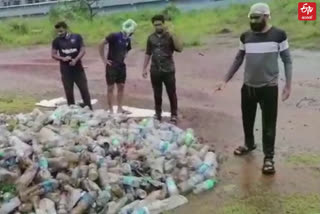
(119, 45)
(68, 48)
(261, 47)
(161, 46)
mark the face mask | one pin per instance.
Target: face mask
(258, 26)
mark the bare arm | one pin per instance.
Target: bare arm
(235, 65)
(55, 55)
(101, 49)
(146, 61)
(81, 54)
(177, 43)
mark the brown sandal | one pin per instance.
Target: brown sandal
(243, 150)
(268, 167)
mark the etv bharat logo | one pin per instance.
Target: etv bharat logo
(307, 11)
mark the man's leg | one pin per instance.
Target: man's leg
(68, 82)
(120, 80)
(110, 78)
(249, 109)
(156, 81)
(269, 108)
(120, 88)
(170, 83)
(82, 83)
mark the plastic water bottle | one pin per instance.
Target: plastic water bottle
(131, 181)
(164, 146)
(189, 137)
(93, 172)
(205, 186)
(188, 185)
(172, 187)
(62, 206)
(104, 197)
(85, 202)
(8, 207)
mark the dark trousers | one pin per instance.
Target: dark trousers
(77, 76)
(267, 97)
(169, 80)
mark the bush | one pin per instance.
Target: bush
(171, 12)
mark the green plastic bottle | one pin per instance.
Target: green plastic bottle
(205, 186)
(189, 137)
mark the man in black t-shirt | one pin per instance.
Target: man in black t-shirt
(119, 44)
(69, 49)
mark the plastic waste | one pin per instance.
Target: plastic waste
(8, 207)
(93, 172)
(189, 137)
(62, 206)
(205, 186)
(115, 207)
(172, 187)
(188, 185)
(73, 196)
(157, 207)
(131, 181)
(26, 179)
(48, 206)
(85, 202)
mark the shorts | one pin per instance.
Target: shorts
(116, 75)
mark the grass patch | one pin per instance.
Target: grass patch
(16, 104)
(194, 26)
(271, 203)
(305, 159)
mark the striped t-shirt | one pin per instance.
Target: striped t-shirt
(261, 52)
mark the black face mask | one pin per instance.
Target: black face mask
(258, 26)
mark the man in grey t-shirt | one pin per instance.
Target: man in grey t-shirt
(261, 47)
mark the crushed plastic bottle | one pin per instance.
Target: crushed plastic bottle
(205, 186)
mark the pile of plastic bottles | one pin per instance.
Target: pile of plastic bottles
(73, 160)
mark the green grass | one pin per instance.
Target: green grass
(194, 27)
(270, 203)
(305, 159)
(16, 104)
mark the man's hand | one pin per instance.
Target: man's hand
(145, 74)
(66, 59)
(73, 62)
(107, 62)
(220, 86)
(286, 93)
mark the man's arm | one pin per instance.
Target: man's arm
(235, 66)
(82, 51)
(177, 43)
(286, 59)
(147, 58)
(54, 51)
(55, 55)
(101, 49)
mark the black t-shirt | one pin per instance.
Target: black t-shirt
(119, 45)
(69, 46)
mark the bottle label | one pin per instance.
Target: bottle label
(164, 146)
(43, 163)
(203, 168)
(88, 199)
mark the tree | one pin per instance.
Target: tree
(89, 5)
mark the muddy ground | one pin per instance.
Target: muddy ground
(216, 117)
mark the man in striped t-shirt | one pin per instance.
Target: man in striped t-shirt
(260, 47)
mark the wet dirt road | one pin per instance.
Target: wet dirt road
(215, 116)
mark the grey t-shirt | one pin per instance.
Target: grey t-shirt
(261, 52)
